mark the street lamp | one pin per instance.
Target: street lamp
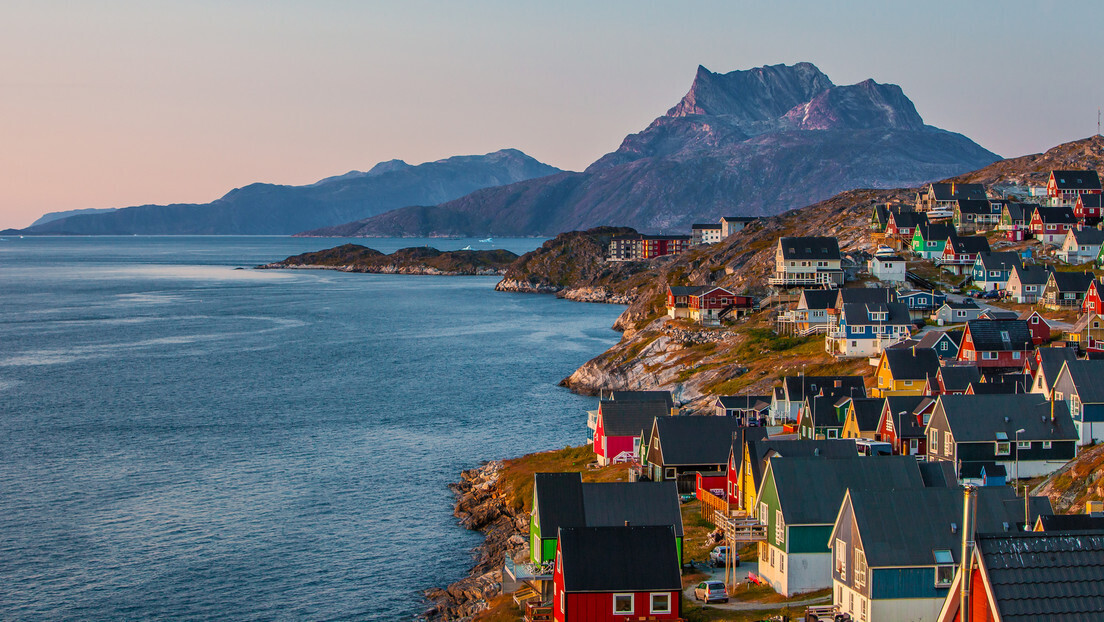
(1026, 516)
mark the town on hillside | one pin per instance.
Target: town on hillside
(911, 489)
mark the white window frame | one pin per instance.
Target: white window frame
(1023, 444)
(948, 444)
(841, 559)
(651, 602)
(997, 450)
(779, 528)
(860, 568)
(632, 604)
(763, 513)
(947, 581)
(1047, 445)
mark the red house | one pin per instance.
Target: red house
(961, 252)
(1093, 302)
(1065, 186)
(1088, 208)
(620, 426)
(616, 574)
(994, 344)
(1049, 225)
(899, 426)
(1038, 325)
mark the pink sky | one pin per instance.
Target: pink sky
(127, 103)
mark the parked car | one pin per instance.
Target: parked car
(708, 591)
(719, 555)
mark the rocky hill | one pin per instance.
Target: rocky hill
(416, 260)
(756, 142)
(1087, 153)
(270, 209)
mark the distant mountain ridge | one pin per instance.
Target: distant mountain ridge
(272, 209)
(754, 142)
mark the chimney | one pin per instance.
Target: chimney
(626, 523)
(966, 569)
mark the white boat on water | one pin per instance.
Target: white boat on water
(884, 251)
(487, 241)
(467, 248)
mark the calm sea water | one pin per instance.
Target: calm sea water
(180, 439)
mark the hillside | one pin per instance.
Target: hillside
(1034, 169)
(755, 142)
(271, 209)
(1079, 481)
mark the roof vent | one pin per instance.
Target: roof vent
(954, 527)
(626, 523)
(1007, 419)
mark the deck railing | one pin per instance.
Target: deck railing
(526, 571)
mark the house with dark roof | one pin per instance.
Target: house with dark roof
(703, 233)
(861, 420)
(1093, 302)
(1064, 187)
(887, 268)
(1023, 577)
(943, 196)
(614, 574)
(956, 312)
(758, 453)
(900, 426)
(804, 261)
(706, 304)
(564, 500)
(1081, 245)
(822, 416)
(993, 313)
(975, 216)
(1089, 209)
(879, 217)
(960, 252)
(1044, 367)
(865, 329)
(901, 225)
(1080, 384)
(787, 402)
(1066, 289)
(734, 224)
(996, 344)
(928, 241)
(751, 410)
(904, 371)
(921, 303)
(944, 342)
(1000, 383)
(810, 314)
(736, 457)
(1050, 224)
(1070, 522)
(991, 270)
(966, 429)
(681, 447)
(895, 552)
(1025, 284)
(619, 427)
(795, 556)
(954, 379)
(1015, 219)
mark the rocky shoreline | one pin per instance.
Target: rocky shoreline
(387, 269)
(577, 294)
(481, 506)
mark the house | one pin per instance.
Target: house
(1093, 301)
(862, 418)
(1031, 576)
(732, 224)
(975, 216)
(954, 380)
(956, 312)
(966, 429)
(678, 300)
(1088, 209)
(1044, 367)
(753, 409)
(960, 253)
(1081, 245)
(564, 500)
(680, 447)
(640, 247)
(795, 556)
(921, 303)
(992, 270)
(1050, 224)
(1066, 289)
(758, 453)
(705, 305)
(705, 234)
(1000, 384)
(887, 268)
(995, 344)
(1064, 187)
(614, 574)
(1016, 217)
(822, 416)
(807, 261)
(1026, 283)
(1041, 331)
(1079, 384)
(865, 329)
(811, 312)
(944, 342)
(993, 313)
(943, 196)
(929, 240)
(788, 401)
(1088, 332)
(619, 426)
(900, 226)
(879, 218)
(887, 565)
(904, 371)
(741, 440)
(900, 426)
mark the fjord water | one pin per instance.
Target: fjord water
(183, 440)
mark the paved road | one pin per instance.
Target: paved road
(717, 574)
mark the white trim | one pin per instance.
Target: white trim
(632, 603)
(651, 602)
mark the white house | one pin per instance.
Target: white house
(890, 268)
(1081, 245)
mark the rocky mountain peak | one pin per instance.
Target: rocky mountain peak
(866, 105)
(752, 95)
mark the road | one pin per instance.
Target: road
(717, 574)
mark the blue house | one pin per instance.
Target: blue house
(865, 329)
(992, 270)
(887, 565)
(921, 303)
(1079, 385)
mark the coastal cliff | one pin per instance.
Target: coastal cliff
(416, 260)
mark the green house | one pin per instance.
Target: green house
(799, 501)
(929, 239)
(563, 500)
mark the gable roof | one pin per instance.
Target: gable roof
(951, 191)
(867, 413)
(984, 418)
(858, 313)
(912, 363)
(892, 537)
(1000, 260)
(1000, 335)
(619, 559)
(934, 231)
(959, 377)
(817, 299)
(1033, 274)
(682, 290)
(831, 478)
(1087, 377)
(1090, 236)
(1070, 522)
(1071, 281)
(933, 337)
(639, 396)
(809, 248)
(1051, 360)
(975, 206)
(742, 402)
(630, 418)
(848, 295)
(1091, 200)
(963, 244)
(799, 387)
(1076, 180)
(558, 500)
(610, 504)
(688, 441)
(1057, 215)
(902, 412)
(993, 313)
(742, 439)
(1019, 212)
(1055, 576)
(907, 220)
(762, 450)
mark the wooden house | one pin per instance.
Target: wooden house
(822, 416)
(615, 574)
(1089, 209)
(678, 300)
(900, 426)
(706, 304)
(1031, 576)
(802, 261)
(758, 453)
(810, 314)
(887, 565)
(704, 233)
(1026, 283)
(996, 344)
(865, 329)
(741, 440)
(901, 225)
(1066, 289)
(944, 342)
(1081, 245)
(564, 500)
(975, 216)
(967, 429)
(1064, 187)
(943, 196)
(1044, 367)
(954, 380)
(960, 252)
(887, 268)
(921, 303)
(861, 420)
(904, 371)
(955, 312)
(680, 447)
(1081, 385)
(788, 401)
(1093, 302)
(928, 241)
(734, 224)
(795, 556)
(991, 270)
(619, 427)
(1050, 224)
(1016, 217)
(751, 410)
(1041, 332)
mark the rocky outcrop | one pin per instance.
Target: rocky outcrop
(481, 506)
(417, 260)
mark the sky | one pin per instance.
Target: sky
(107, 103)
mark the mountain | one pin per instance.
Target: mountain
(754, 142)
(49, 216)
(270, 209)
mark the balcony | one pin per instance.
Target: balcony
(592, 419)
(826, 278)
(528, 572)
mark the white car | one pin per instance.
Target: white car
(708, 591)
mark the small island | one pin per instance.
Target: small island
(416, 260)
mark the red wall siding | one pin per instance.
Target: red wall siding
(589, 607)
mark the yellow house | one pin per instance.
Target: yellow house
(862, 418)
(757, 454)
(904, 371)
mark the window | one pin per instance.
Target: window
(1023, 444)
(763, 513)
(779, 528)
(623, 603)
(661, 602)
(933, 439)
(989, 356)
(772, 558)
(833, 433)
(1016, 355)
(944, 568)
(841, 559)
(781, 561)
(1003, 448)
(860, 568)
(948, 444)
(908, 383)
(669, 473)
(1047, 445)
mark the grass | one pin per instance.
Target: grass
(518, 484)
(695, 531)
